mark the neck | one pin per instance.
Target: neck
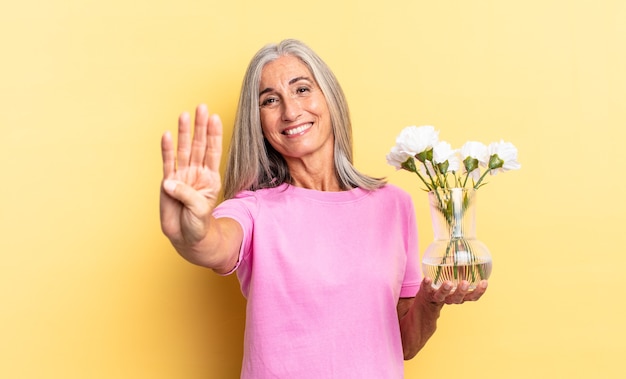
(314, 176)
(316, 184)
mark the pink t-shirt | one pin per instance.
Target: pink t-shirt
(322, 273)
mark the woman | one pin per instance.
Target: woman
(326, 256)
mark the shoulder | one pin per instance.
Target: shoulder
(248, 199)
(394, 200)
(243, 202)
(393, 191)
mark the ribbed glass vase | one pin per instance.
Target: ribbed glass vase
(455, 254)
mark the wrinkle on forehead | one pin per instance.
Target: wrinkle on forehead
(286, 70)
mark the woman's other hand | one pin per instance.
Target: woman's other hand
(447, 294)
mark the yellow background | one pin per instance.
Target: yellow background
(89, 287)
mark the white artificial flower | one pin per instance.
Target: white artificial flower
(438, 166)
(478, 151)
(414, 140)
(505, 155)
(443, 152)
(396, 157)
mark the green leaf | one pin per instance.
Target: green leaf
(495, 162)
(443, 167)
(470, 164)
(409, 165)
(426, 155)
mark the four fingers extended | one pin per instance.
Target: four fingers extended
(213, 151)
(203, 148)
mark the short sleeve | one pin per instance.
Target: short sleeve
(412, 275)
(241, 208)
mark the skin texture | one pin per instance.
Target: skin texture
(189, 191)
(296, 121)
(291, 102)
(418, 316)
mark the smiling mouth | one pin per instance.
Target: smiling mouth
(297, 130)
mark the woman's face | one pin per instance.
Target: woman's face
(294, 114)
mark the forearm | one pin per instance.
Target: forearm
(218, 250)
(418, 316)
(417, 324)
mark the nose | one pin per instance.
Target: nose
(292, 109)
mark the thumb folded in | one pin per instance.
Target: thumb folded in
(187, 195)
(170, 186)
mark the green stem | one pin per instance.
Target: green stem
(457, 242)
(423, 180)
(435, 185)
(449, 217)
(481, 178)
(472, 260)
(455, 257)
(440, 267)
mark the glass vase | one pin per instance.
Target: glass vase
(455, 254)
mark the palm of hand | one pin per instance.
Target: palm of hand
(207, 184)
(191, 179)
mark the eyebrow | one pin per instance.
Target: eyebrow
(291, 82)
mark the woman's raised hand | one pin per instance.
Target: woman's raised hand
(191, 179)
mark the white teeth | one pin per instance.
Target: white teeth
(297, 130)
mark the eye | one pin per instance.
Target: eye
(269, 102)
(303, 89)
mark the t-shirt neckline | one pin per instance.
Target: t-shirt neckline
(327, 196)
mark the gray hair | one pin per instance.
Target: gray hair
(252, 162)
